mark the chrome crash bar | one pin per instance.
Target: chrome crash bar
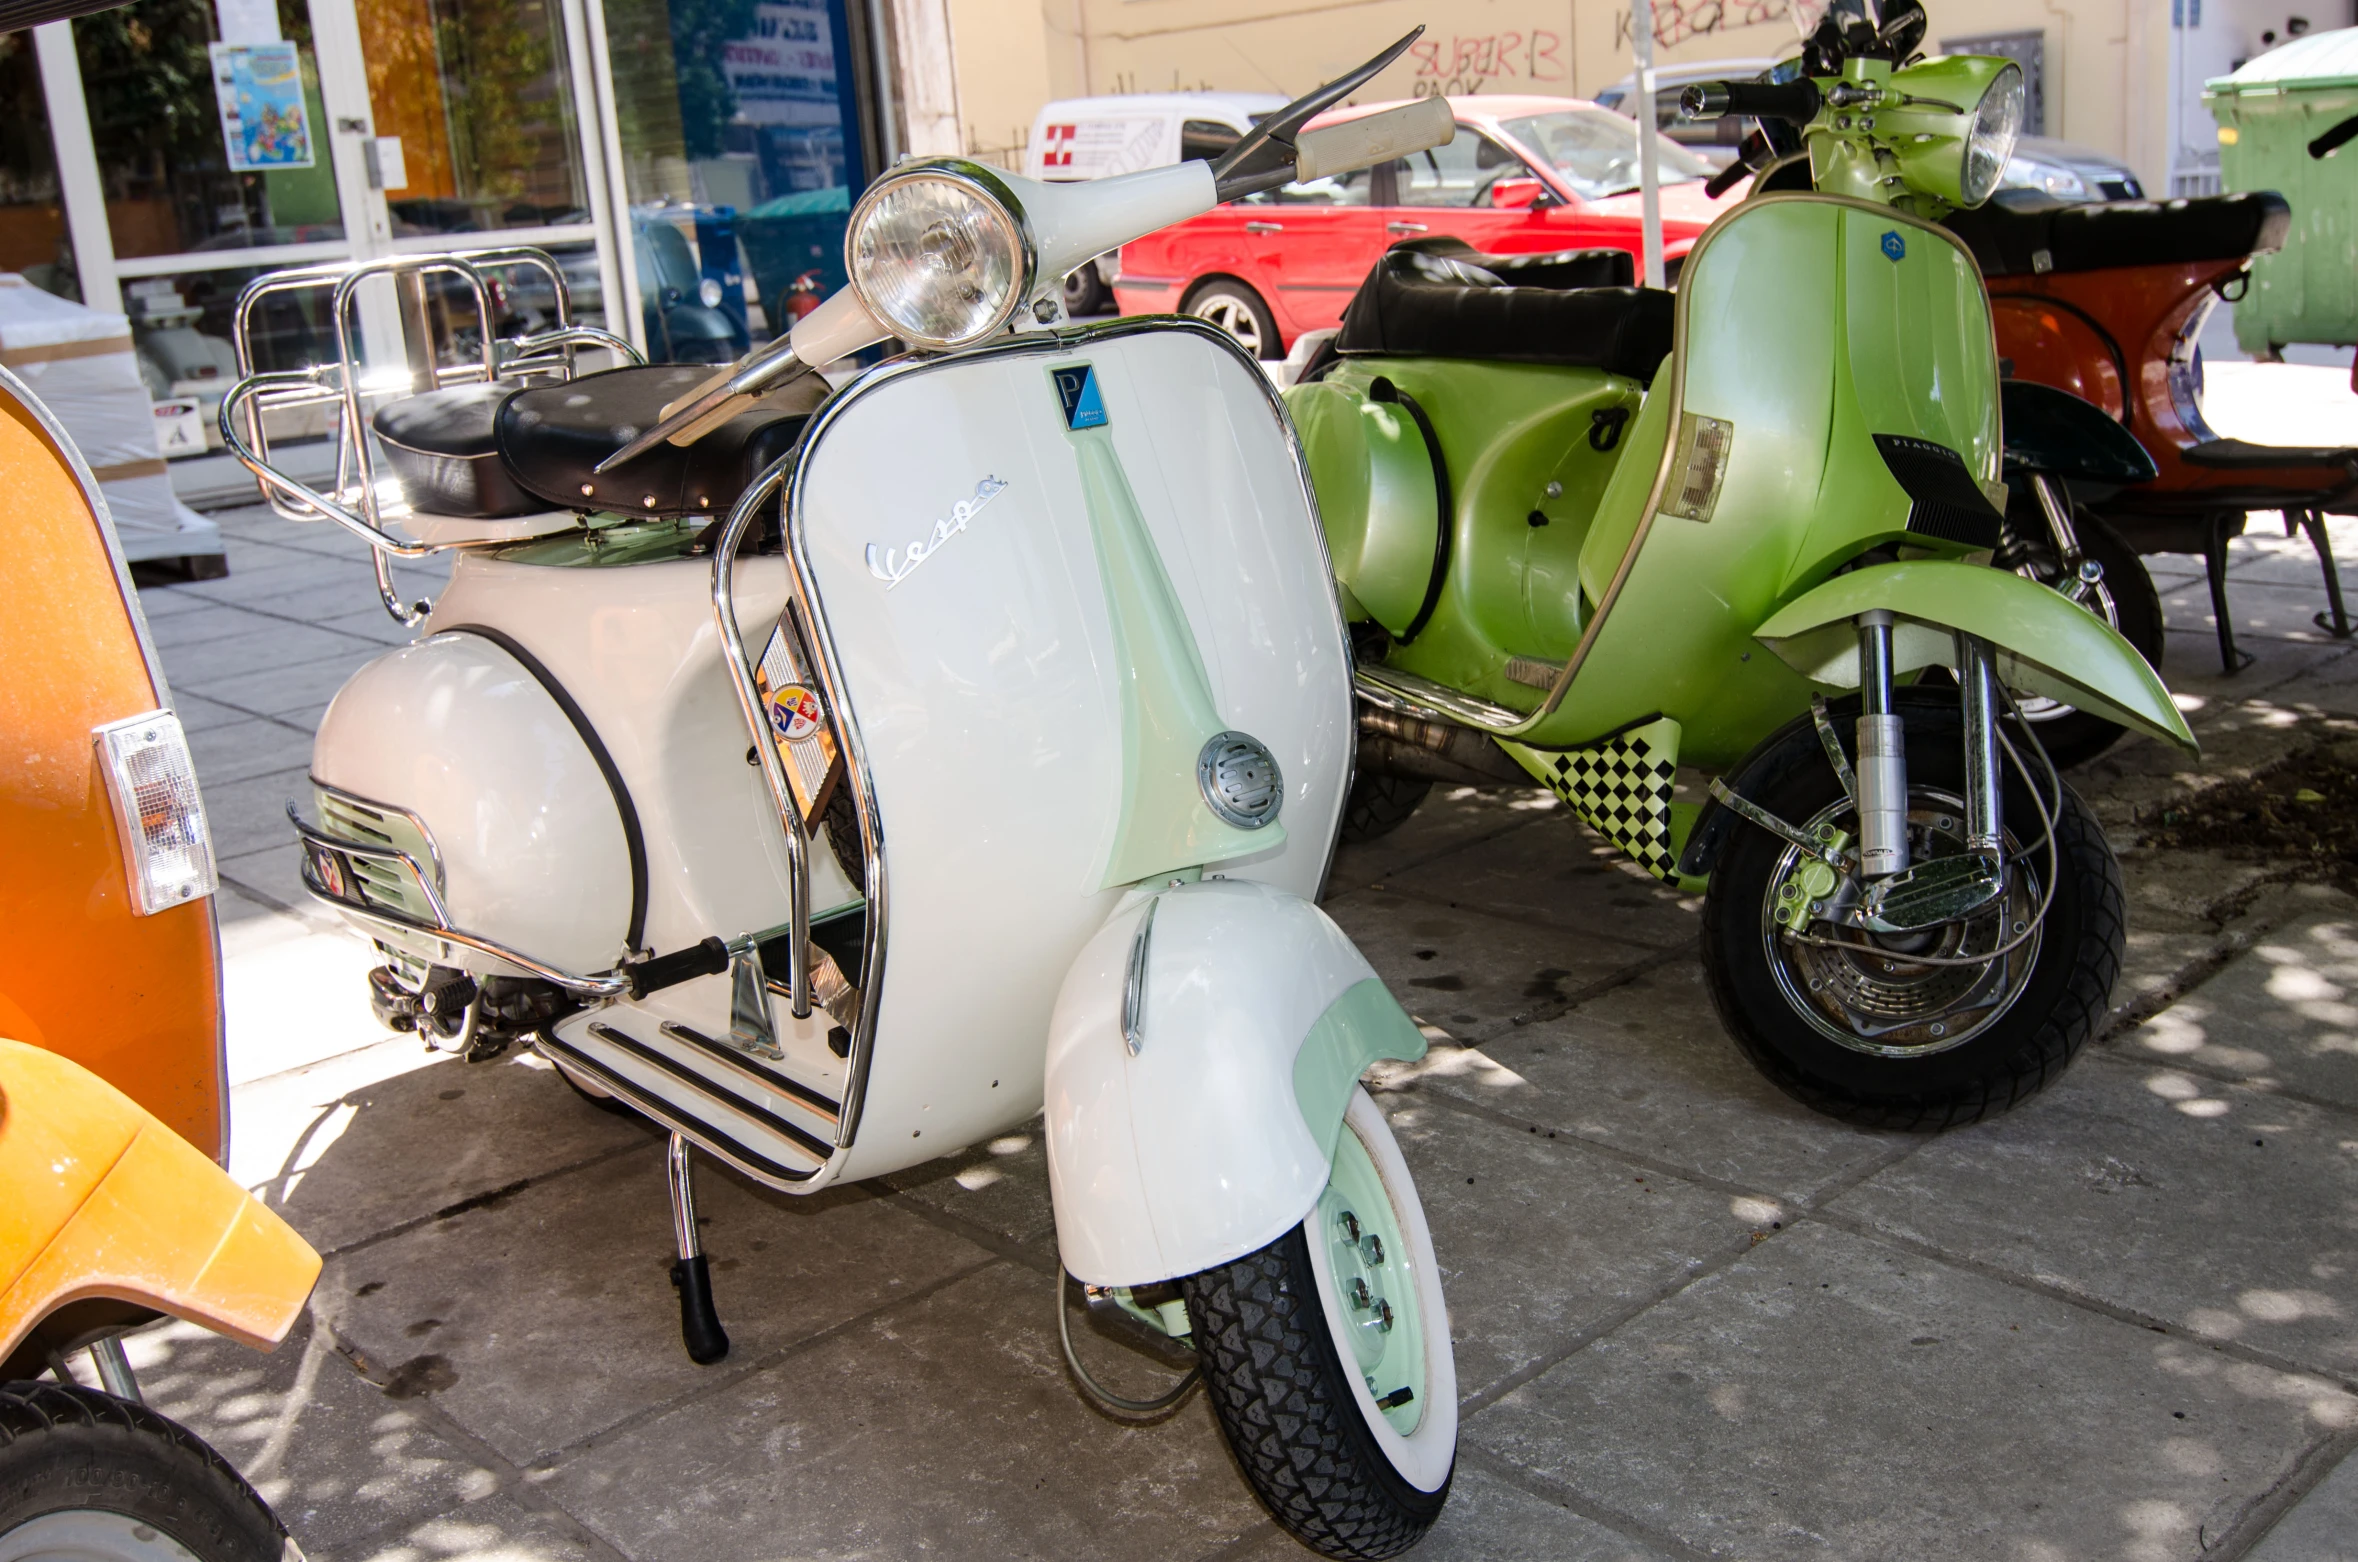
(773, 768)
(612, 984)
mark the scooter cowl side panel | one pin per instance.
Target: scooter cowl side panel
(945, 524)
(1256, 1015)
(522, 827)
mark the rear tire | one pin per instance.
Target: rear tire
(1986, 1063)
(1272, 1331)
(1238, 310)
(87, 1475)
(1378, 805)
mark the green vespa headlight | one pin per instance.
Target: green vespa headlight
(1952, 123)
(1997, 125)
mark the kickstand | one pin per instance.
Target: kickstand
(2215, 562)
(2335, 622)
(700, 1326)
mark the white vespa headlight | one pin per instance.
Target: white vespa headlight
(939, 254)
(1997, 125)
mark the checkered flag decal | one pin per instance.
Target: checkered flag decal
(1621, 788)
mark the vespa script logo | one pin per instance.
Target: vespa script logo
(893, 567)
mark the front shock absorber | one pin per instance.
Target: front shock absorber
(1883, 755)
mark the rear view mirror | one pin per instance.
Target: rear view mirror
(1515, 194)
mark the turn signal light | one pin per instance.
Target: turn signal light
(167, 851)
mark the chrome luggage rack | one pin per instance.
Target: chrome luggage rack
(348, 386)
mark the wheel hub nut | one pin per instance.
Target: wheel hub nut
(1371, 1248)
(1348, 1223)
(1360, 1296)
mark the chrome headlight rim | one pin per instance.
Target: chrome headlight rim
(979, 181)
(1992, 145)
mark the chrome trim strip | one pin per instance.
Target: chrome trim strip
(708, 1139)
(610, 985)
(830, 666)
(721, 1055)
(802, 1139)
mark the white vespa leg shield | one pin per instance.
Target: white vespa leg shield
(1204, 1048)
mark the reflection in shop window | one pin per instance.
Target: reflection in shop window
(147, 77)
(478, 94)
(740, 155)
(33, 238)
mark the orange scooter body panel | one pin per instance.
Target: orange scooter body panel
(2083, 331)
(135, 999)
(104, 1201)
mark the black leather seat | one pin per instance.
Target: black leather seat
(551, 439)
(2028, 233)
(443, 448)
(1440, 298)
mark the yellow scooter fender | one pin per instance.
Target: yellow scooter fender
(2045, 643)
(100, 1200)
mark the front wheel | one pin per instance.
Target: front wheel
(1238, 310)
(86, 1476)
(1845, 1021)
(1327, 1358)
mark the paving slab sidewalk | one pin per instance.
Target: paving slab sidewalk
(1692, 1318)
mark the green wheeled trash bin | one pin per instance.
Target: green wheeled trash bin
(794, 239)
(2271, 113)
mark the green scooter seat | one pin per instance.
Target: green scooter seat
(1440, 298)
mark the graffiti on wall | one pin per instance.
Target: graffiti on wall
(1676, 21)
(1466, 64)
(1478, 62)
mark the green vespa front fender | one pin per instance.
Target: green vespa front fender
(2045, 643)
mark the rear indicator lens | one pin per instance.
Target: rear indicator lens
(167, 851)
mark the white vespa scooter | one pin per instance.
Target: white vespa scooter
(1051, 660)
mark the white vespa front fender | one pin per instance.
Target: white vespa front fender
(1213, 1133)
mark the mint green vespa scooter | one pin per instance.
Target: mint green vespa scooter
(1592, 534)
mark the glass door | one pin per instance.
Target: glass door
(215, 163)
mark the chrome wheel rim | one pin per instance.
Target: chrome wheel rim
(1870, 999)
(1370, 1284)
(1233, 315)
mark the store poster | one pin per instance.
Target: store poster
(783, 72)
(264, 121)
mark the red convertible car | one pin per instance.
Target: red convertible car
(1525, 175)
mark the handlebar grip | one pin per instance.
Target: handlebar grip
(1376, 138)
(1795, 102)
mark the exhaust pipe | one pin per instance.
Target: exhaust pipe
(1397, 745)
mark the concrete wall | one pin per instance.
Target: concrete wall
(2120, 77)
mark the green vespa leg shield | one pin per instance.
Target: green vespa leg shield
(2046, 643)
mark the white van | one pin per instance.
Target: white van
(1089, 138)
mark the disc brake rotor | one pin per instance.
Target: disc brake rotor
(1867, 994)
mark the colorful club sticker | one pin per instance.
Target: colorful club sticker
(1076, 387)
(795, 712)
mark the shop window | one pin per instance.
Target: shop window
(478, 94)
(33, 238)
(741, 154)
(164, 157)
